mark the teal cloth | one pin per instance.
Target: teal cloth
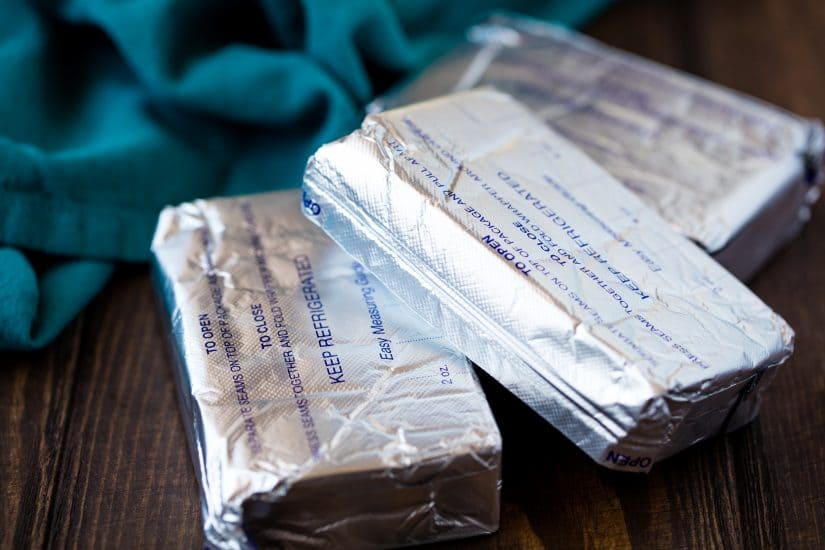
(111, 110)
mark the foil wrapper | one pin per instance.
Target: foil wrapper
(549, 274)
(731, 172)
(320, 410)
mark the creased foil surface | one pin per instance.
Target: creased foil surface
(735, 174)
(320, 410)
(549, 274)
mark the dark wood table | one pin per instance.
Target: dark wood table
(92, 450)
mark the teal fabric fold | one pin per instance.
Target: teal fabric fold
(35, 308)
(111, 110)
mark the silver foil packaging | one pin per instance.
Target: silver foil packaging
(733, 173)
(549, 274)
(320, 410)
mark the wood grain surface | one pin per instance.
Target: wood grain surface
(92, 450)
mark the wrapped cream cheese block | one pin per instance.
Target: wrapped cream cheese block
(320, 410)
(549, 274)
